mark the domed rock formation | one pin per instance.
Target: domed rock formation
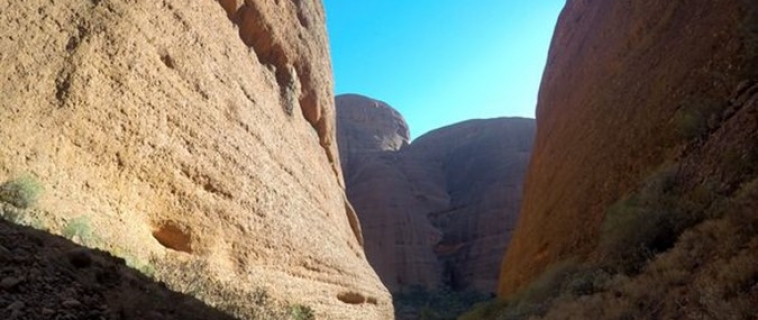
(368, 126)
(195, 139)
(370, 134)
(629, 87)
(482, 164)
(432, 211)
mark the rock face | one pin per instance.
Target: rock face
(627, 87)
(432, 211)
(196, 138)
(368, 126)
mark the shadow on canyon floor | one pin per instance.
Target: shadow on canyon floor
(44, 276)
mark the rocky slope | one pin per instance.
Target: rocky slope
(632, 88)
(192, 138)
(439, 210)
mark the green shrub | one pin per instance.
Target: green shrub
(650, 220)
(549, 284)
(79, 230)
(436, 304)
(585, 280)
(566, 278)
(301, 312)
(691, 120)
(22, 192)
(485, 310)
(629, 235)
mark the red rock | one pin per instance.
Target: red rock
(175, 138)
(432, 211)
(616, 76)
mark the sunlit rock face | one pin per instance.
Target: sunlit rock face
(436, 211)
(624, 83)
(194, 137)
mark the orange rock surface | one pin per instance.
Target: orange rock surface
(619, 75)
(192, 138)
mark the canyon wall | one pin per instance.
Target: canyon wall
(439, 211)
(194, 139)
(629, 86)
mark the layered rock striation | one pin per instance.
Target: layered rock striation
(436, 211)
(195, 139)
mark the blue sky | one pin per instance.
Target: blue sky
(445, 61)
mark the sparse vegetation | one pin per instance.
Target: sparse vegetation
(709, 271)
(189, 276)
(146, 268)
(79, 230)
(22, 192)
(17, 198)
(649, 221)
(440, 304)
(691, 120)
(301, 312)
(565, 280)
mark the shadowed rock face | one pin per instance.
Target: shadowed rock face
(436, 211)
(625, 83)
(371, 126)
(191, 136)
(482, 163)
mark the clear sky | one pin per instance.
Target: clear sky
(444, 61)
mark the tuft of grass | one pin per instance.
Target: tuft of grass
(145, 268)
(549, 284)
(190, 277)
(435, 304)
(80, 231)
(22, 192)
(17, 197)
(649, 221)
(301, 312)
(691, 120)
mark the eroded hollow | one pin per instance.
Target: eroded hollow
(351, 298)
(172, 236)
(168, 61)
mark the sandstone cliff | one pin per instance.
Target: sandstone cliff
(194, 138)
(631, 87)
(437, 211)
(399, 236)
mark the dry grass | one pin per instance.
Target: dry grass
(710, 272)
(649, 221)
(434, 304)
(22, 192)
(252, 305)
